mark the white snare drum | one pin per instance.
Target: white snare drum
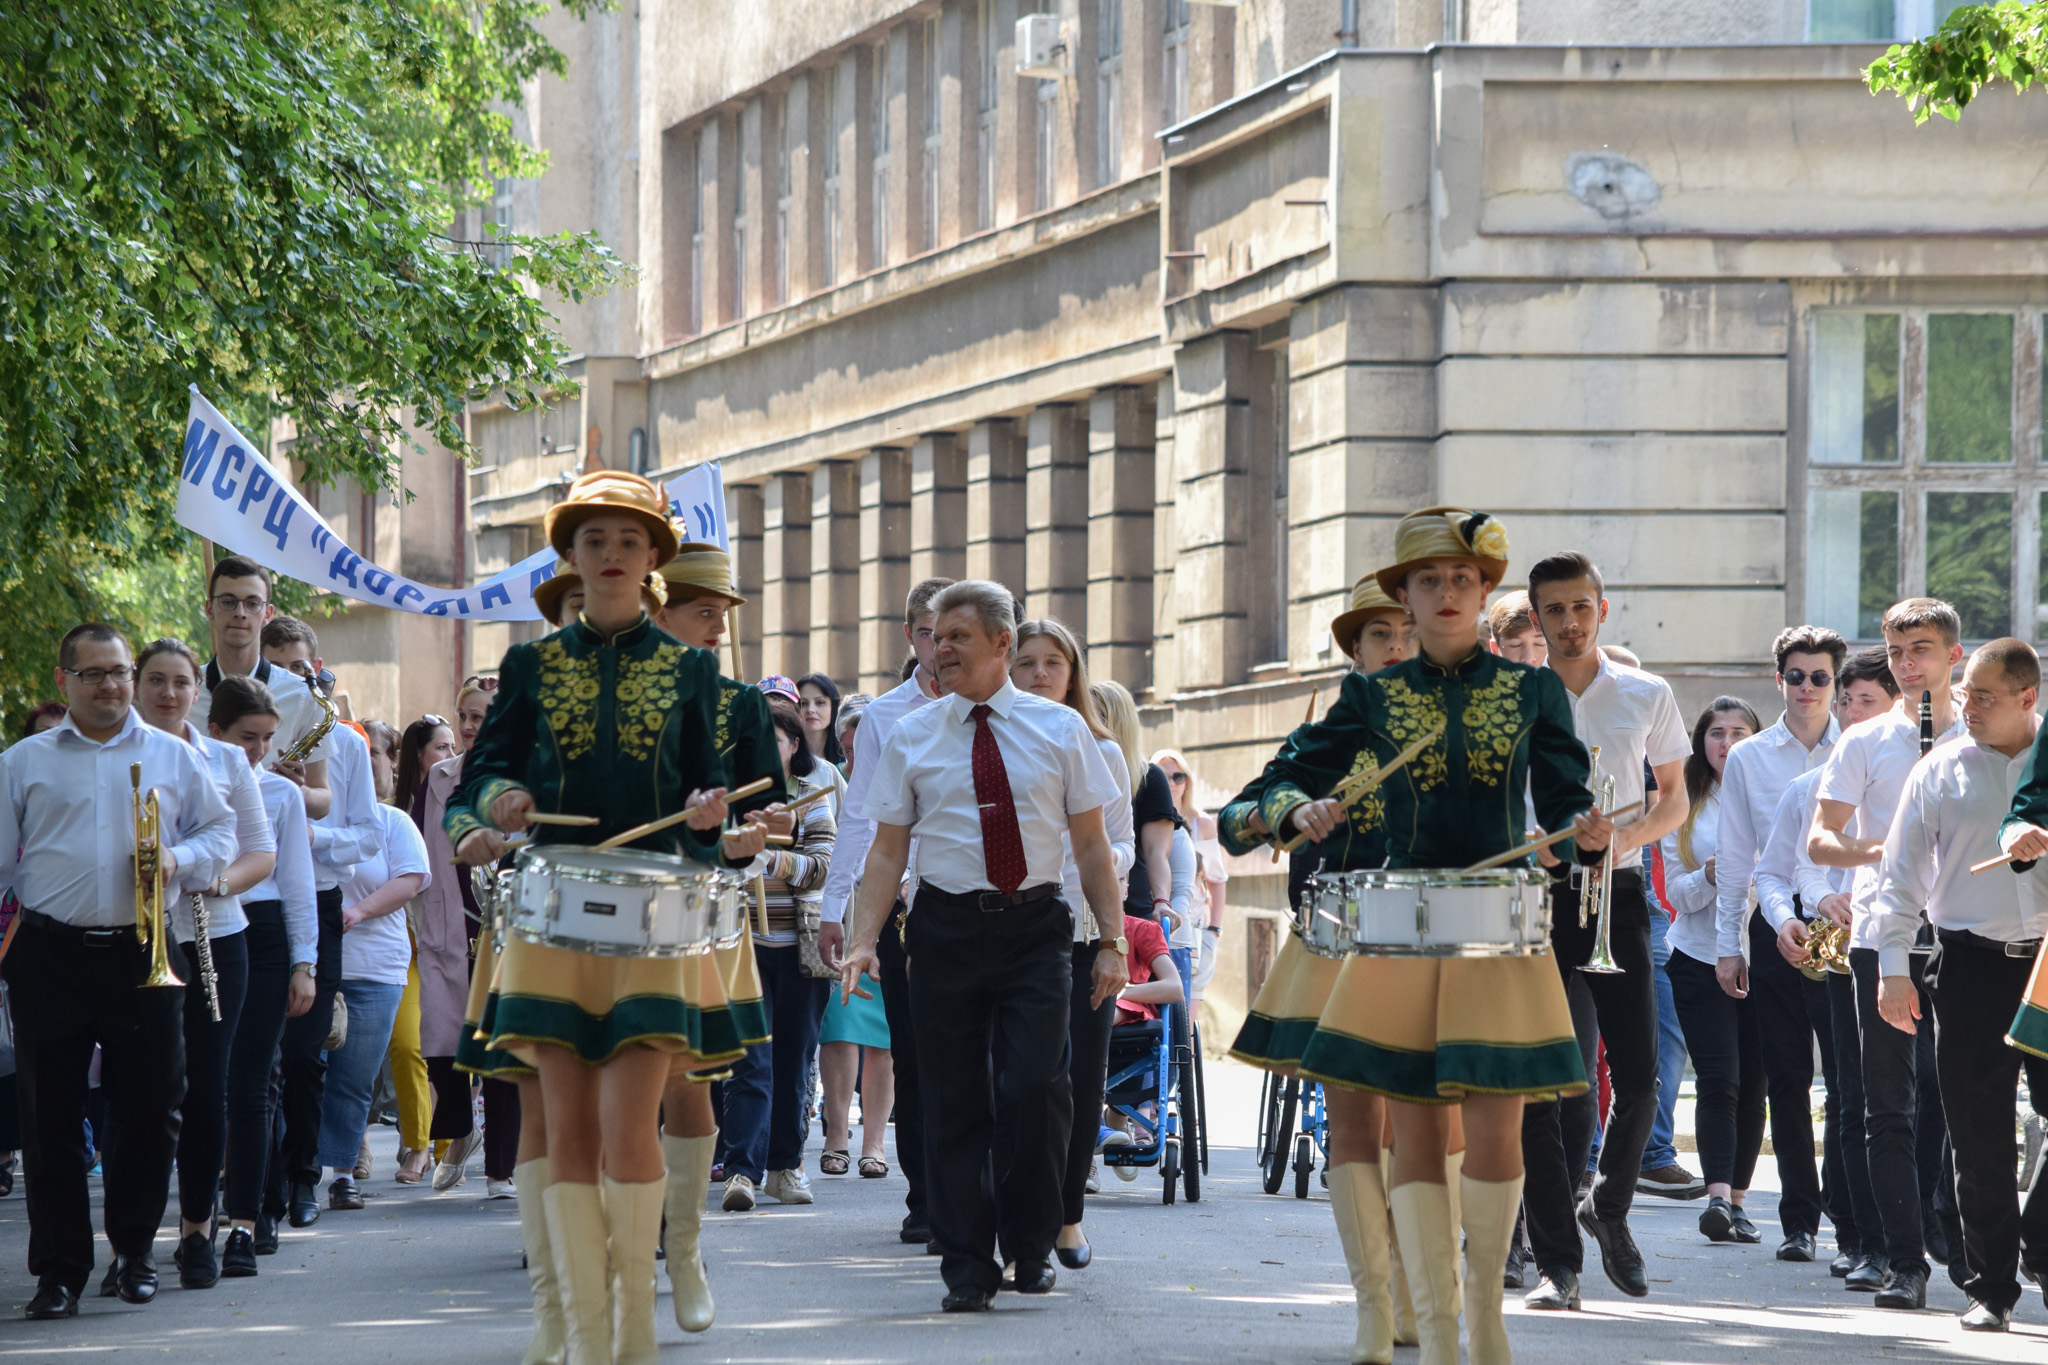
(1324, 917)
(623, 903)
(729, 911)
(1426, 912)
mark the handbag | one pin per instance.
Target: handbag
(337, 1033)
(810, 961)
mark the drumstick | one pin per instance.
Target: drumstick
(542, 817)
(803, 804)
(781, 840)
(761, 905)
(653, 826)
(2000, 861)
(1313, 693)
(1352, 789)
(512, 845)
(1499, 859)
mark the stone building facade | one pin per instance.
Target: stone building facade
(1168, 329)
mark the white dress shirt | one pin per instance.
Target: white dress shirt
(297, 712)
(1947, 820)
(1633, 717)
(925, 779)
(1786, 869)
(67, 823)
(237, 784)
(380, 949)
(1123, 841)
(347, 834)
(856, 831)
(1868, 771)
(290, 882)
(1691, 896)
(1752, 783)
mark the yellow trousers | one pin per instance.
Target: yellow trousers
(409, 1069)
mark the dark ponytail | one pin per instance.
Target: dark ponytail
(238, 698)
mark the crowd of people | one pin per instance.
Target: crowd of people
(1742, 896)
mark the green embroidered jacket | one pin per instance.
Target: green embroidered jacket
(620, 728)
(1360, 843)
(1507, 728)
(746, 741)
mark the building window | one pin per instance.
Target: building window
(1875, 21)
(828, 235)
(1048, 143)
(739, 223)
(501, 220)
(879, 114)
(1173, 75)
(989, 91)
(1923, 469)
(1109, 91)
(785, 154)
(928, 51)
(707, 166)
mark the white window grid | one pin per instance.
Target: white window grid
(882, 160)
(1173, 75)
(1109, 91)
(933, 133)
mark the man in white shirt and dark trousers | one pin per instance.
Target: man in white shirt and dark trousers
(987, 779)
(75, 967)
(1859, 794)
(1987, 932)
(1633, 718)
(856, 833)
(1791, 1012)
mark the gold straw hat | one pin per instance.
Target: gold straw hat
(1446, 533)
(548, 596)
(611, 490)
(1367, 601)
(702, 566)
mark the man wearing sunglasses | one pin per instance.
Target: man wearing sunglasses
(1791, 1011)
(237, 608)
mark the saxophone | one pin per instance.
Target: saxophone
(305, 744)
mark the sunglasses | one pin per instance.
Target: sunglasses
(1177, 779)
(1799, 677)
(429, 718)
(480, 684)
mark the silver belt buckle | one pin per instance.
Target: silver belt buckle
(2025, 949)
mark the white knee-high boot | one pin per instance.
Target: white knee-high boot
(1489, 1209)
(1397, 1275)
(1454, 1170)
(1358, 1196)
(550, 1331)
(689, 1171)
(1429, 1245)
(633, 1220)
(583, 1275)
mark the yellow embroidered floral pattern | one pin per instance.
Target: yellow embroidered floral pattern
(1493, 722)
(721, 734)
(568, 698)
(1411, 714)
(646, 695)
(1369, 813)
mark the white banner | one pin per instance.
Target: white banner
(696, 499)
(230, 494)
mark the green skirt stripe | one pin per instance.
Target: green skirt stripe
(719, 1034)
(476, 1056)
(1540, 1071)
(1272, 1044)
(2029, 1031)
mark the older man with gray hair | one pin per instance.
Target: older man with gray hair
(987, 779)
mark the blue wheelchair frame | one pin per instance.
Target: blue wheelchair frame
(1150, 1065)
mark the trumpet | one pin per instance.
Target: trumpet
(1827, 949)
(1594, 898)
(150, 929)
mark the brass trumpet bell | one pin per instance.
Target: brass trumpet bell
(1827, 950)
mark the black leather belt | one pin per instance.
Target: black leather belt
(989, 901)
(1963, 937)
(91, 936)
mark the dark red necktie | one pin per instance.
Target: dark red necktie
(1002, 843)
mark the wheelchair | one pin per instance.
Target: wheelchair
(1150, 1070)
(1281, 1147)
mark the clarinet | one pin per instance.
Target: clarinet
(1923, 942)
(202, 946)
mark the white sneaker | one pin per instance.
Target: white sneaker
(1125, 1173)
(739, 1194)
(499, 1189)
(1094, 1177)
(788, 1187)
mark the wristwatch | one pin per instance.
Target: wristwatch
(305, 967)
(1120, 943)
(220, 888)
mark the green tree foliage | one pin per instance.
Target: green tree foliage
(254, 196)
(1975, 45)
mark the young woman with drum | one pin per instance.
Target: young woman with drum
(608, 718)
(1411, 1017)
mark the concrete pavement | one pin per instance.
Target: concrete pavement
(1241, 1276)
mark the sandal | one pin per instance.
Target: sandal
(413, 1165)
(834, 1163)
(873, 1168)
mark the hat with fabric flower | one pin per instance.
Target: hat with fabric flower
(1368, 600)
(1446, 533)
(611, 490)
(700, 569)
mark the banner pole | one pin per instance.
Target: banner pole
(733, 638)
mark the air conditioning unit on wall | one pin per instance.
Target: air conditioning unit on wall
(1040, 51)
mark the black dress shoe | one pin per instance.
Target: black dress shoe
(1075, 1258)
(1556, 1291)
(1033, 1277)
(1842, 1265)
(1797, 1247)
(52, 1300)
(932, 1248)
(1512, 1274)
(342, 1194)
(916, 1230)
(238, 1257)
(133, 1278)
(1905, 1289)
(111, 1285)
(1717, 1220)
(1618, 1254)
(198, 1264)
(1743, 1230)
(304, 1205)
(967, 1299)
(1867, 1276)
(264, 1241)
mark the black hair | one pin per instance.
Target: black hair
(1868, 665)
(800, 762)
(167, 645)
(412, 773)
(1563, 567)
(237, 698)
(833, 753)
(99, 632)
(237, 566)
(1699, 774)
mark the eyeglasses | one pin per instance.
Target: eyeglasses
(227, 604)
(1798, 677)
(97, 677)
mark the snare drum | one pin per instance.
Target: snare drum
(1426, 912)
(1325, 916)
(622, 903)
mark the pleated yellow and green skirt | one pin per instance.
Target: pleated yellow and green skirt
(2029, 1031)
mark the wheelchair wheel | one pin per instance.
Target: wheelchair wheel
(1201, 1107)
(1279, 1138)
(1269, 1114)
(1169, 1169)
(1304, 1162)
(1192, 1136)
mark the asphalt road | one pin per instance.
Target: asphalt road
(419, 1276)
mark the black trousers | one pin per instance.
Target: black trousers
(68, 993)
(454, 1115)
(302, 1061)
(1976, 990)
(1557, 1135)
(202, 1140)
(501, 1128)
(1891, 1117)
(1792, 1016)
(989, 1003)
(1848, 1033)
(1087, 1070)
(1728, 1067)
(908, 1112)
(252, 1058)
